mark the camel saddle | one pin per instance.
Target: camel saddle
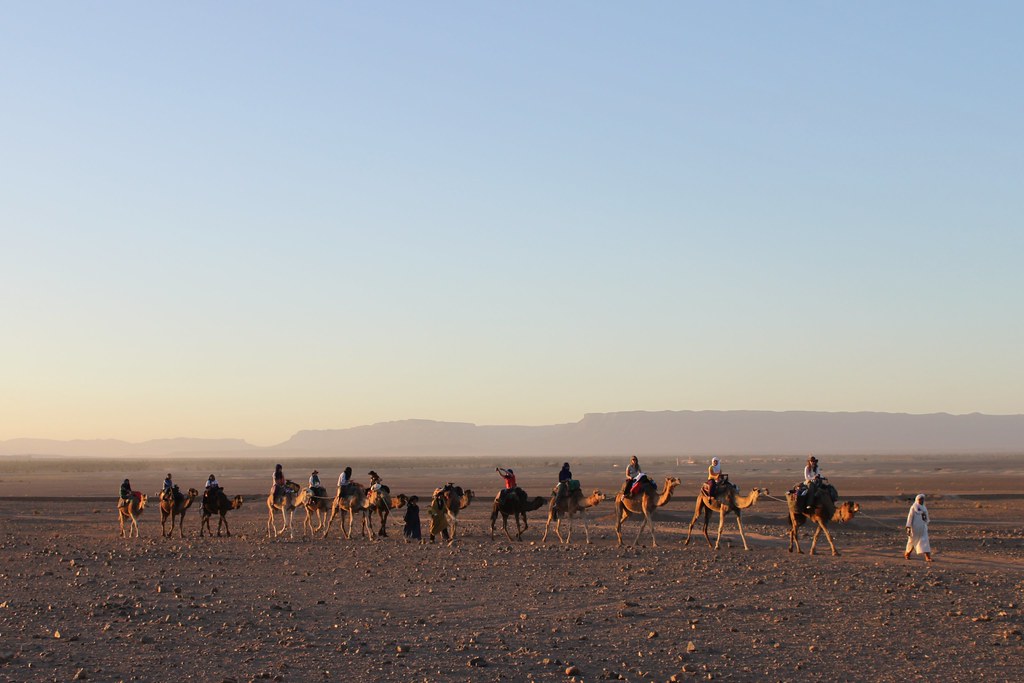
(505, 494)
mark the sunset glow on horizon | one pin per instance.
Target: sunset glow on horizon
(248, 220)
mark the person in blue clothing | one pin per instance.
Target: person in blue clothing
(564, 477)
(412, 520)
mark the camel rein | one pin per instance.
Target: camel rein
(859, 514)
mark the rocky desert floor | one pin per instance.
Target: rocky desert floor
(77, 602)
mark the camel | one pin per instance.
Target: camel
(725, 501)
(568, 507)
(646, 502)
(455, 499)
(172, 508)
(823, 512)
(354, 499)
(517, 504)
(313, 505)
(381, 502)
(218, 504)
(285, 502)
(131, 510)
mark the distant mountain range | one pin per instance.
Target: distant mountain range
(654, 433)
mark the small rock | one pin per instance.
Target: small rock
(652, 634)
(476, 661)
(56, 634)
(572, 670)
(80, 675)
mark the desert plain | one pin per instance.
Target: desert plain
(78, 602)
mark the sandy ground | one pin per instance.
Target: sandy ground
(78, 601)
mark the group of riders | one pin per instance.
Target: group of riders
(636, 481)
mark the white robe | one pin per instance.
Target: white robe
(917, 521)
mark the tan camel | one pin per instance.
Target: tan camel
(171, 508)
(353, 500)
(573, 505)
(131, 510)
(313, 505)
(381, 502)
(726, 501)
(285, 502)
(217, 504)
(456, 499)
(823, 511)
(645, 502)
(514, 503)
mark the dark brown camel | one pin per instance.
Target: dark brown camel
(823, 511)
(514, 502)
(217, 504)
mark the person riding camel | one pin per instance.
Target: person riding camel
(344, 479)
(126, 493)
(715, 478)
(564, 477)
(375, 483)
(170, 490)
(315, 487)
(812, 480)
(279, 481)
(632, 472)
(508, 475)
(212, 487)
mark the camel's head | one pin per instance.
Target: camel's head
(143, 499)
(192, 493)
(399, 501)
(236, 503)
(758, 492)
(672, 482)
(597, 496)
(847, 510)
(469, 495)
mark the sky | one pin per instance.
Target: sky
(244, 219)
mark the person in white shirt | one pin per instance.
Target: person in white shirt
(812, 479)
(632, 475)
(344, 480)
(917, 530)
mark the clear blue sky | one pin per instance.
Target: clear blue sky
(246, 219)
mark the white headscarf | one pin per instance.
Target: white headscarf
(918, 508)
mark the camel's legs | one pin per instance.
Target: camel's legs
(739, 525)
(586, 531)
(224, 519)
(619, 518)
(546, 528)
(452, 521)
(568, 523)
(696, 515)
(721, 524)
(794, 537)
(828, 537)
(643, 525)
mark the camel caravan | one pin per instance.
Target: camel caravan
(812, 500)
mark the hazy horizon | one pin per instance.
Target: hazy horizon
(244, 220)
